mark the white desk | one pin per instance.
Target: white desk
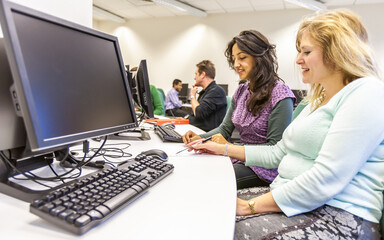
(196, 201)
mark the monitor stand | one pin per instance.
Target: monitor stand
(128, 135)
(25, 164)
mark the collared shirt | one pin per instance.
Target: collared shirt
(172, 100)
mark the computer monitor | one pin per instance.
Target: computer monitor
(225, 87)
(184, 94)
(133, 87)
(69, 82)
(11, 126)
(143, 89)
(299, 94)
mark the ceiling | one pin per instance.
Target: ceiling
(139, 9)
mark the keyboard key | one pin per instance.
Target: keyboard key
(66, 213)
(56, 211)
(119, 199)
(83, 220)
(95, 215)
(72, 218)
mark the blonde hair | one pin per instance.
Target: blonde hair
(344, 41)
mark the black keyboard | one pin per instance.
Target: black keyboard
(168, 134)
(81, 204)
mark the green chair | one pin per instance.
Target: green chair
(162, 97)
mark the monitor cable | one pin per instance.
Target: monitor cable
(30, 176)
(110, 153)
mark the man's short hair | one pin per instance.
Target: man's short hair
(208, 67)
(176, 82)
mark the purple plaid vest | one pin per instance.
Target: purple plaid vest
(253, 130)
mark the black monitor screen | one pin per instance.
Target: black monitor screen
(299, 94)
(69, 79)
(225, 87)
(183, 94)
(143, 89)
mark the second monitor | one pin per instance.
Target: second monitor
(225, 87)
(141, 91)
(184, 93)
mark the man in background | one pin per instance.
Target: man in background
(210, 107)
(172, 103)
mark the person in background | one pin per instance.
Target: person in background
(261, 107)
(210, 107)
(331, 157)
(172, 103)
(156, 101)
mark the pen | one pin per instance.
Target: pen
(200, 142)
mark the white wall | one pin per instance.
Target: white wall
(173, 46)
(78, 11)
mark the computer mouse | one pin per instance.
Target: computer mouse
(169, 125)
(156, 153)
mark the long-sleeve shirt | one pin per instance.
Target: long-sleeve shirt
(333, 155)
(278, 120)
(172, 100)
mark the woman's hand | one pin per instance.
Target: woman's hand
(207, 147)
(218, 138)
(190, 137)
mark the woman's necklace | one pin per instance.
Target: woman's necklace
(320, 99)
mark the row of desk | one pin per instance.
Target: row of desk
(196, 201)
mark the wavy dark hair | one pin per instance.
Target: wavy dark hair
(264, 75)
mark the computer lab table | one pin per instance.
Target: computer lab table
(196, 201)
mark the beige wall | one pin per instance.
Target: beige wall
(173, 46)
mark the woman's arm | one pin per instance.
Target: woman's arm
(278, 120)
(262, 204)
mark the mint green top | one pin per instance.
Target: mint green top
(333, 155)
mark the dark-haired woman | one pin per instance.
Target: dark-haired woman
(261, 108)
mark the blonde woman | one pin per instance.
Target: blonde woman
(331, 157)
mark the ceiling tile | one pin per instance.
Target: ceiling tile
(230, 4)
(260, 5)
(207, 5)
(340, 2)
(291, 6)
(157, 11)
(141, 8)
(132, 13)
(368, 1)
(248, 9)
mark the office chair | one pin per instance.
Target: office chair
(162, 97)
